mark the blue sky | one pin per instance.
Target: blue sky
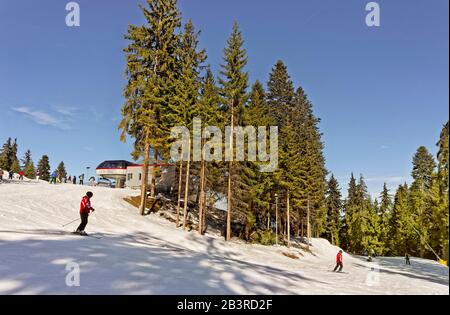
(380, 92)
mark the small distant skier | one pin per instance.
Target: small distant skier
(53, 177)
(10, 175)
(37, 175)
(1, 175)
(407, 261)
(21, 175)
(81, 179)
(85, 209)
(74, 179)
(339, 263)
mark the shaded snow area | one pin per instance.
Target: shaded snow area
(148, 255)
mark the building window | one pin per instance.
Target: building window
(140, 176)
(130, 176)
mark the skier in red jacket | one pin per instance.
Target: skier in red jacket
(85, 209)
(339, 262)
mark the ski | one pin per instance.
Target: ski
(89, 235)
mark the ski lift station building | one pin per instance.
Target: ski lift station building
(128, 174)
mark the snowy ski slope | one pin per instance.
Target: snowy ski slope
(148, 255)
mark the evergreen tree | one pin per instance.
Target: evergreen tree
(281, 93)
(5, 155)
(151, 72)
(61, 169)
(362, 219)
(28, 165)
(311, 167)
(8, 156)
(233, 82)
(186, 100)
(402, 238)
(333, 204)
(44, 168)
(15, 167)
(443, 159)
(260, 193)
(384, 213)
(211, 115)
(439, 199)
(419, 198)
(423, 168)
(349, 208)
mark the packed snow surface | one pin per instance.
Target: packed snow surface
(148, 255)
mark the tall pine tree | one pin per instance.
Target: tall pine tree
(233, 83)
(44, 168)
(151, 72)
(333, 204)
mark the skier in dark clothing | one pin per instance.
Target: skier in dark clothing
(339, 262)
(407, 261)
(85, 209)
(81, 179)
(74, 179)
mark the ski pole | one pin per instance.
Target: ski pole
(71, 222)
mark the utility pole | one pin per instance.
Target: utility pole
(276, 219)
(308, 226)
(288, 222)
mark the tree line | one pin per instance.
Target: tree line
(11, 163)
(413, 220)
(169, 83)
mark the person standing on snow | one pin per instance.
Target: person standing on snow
(81, 179)
(1, 175)
(339, 263)
(85, 209)
(407, 260)
(53, 177)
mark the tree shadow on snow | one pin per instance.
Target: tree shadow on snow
(131, 264)
(419, 269)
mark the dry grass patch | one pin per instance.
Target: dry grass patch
(290, 255)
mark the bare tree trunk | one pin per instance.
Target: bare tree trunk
(288, 228)
(276, 220)
(180, 184)
(202, 197)
(308, 226)
(144, 180)
(186, 188)
(205, 204)
(153, 186)
(230, 168)
(302, 223)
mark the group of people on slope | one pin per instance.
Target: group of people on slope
(21, 175)
(56, 177)
(340, 265)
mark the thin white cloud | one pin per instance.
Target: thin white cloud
(67, 111)
(384, 147)
(42, 118)
(95, 114)
(89, 149)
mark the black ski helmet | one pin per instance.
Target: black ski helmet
(89, 194)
